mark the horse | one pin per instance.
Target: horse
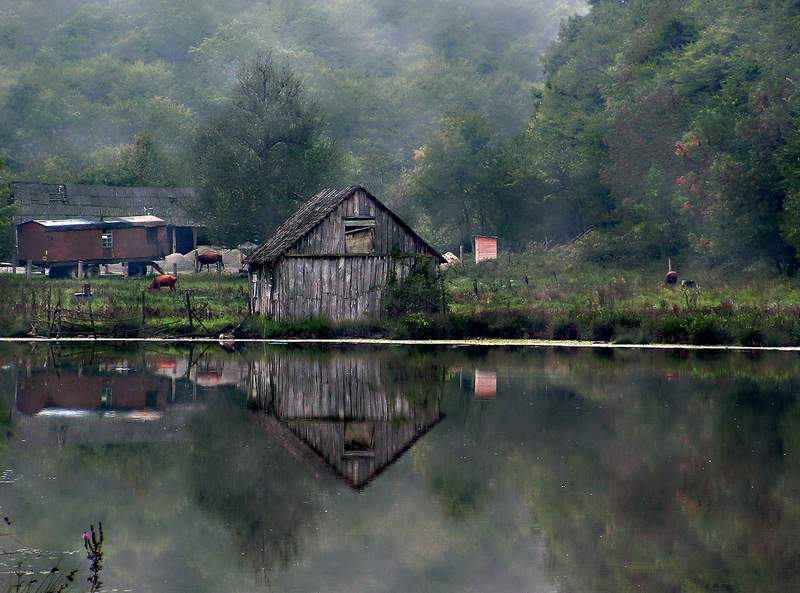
(208, 258)
(164, 280)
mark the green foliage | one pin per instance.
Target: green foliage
(7, 212)
(671, 127)
(81, 79)
(263, 155)
(420, 291)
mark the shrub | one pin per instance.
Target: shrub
(672, 331)
(705, 330)
(603, 330)
(566, 330)
(421, 291)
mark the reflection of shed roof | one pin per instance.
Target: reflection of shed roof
(71, 224)
(46, 201)
(309, 215)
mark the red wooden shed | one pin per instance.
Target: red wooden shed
(484, 247)
(62, 243)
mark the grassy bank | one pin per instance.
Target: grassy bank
(121, 306)
(537, 295)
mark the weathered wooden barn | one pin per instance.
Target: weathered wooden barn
(345, 412)
(174, 205)
(334, 258)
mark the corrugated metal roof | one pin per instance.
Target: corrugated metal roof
(44, 201)
(105, 223)
(309, 215)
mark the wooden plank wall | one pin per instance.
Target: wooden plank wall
(328, 237)
(316, 278)
(335, 287)
(339, 387)
(316, 397)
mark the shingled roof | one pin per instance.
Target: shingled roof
(309, 215)
(61, 201)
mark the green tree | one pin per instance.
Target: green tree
(263, 155)
(7, 212)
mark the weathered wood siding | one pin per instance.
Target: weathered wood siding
(318, 278)
(328, 237)
(336, 287)
(316, 398)
(340, 385)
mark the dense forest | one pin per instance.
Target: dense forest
(629, 129)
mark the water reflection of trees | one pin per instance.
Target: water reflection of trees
(667, 477)
(644, 471)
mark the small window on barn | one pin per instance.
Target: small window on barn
(359, 234)
(359, 439)
(152, 235)
(60, 195)
(107, 240)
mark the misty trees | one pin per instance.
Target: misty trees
(261, 156)
(667, 126)
(6, 216)
(452, 177)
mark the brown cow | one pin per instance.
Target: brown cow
(208, 258)
(671, 279)
(163, 280)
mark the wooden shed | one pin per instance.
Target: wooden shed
(484, 247)
(174, 205)
(344, 412)
(334, 258)
(60, 243)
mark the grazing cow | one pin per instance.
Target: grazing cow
(688, 284)
(163, 280)
(672, 276)
(208, 258)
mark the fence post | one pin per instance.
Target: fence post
(28, 268)
(141, 324)
(80, 269)
(175, 269)
(189, 310)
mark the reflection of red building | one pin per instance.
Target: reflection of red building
(485, 384)
(41, 390)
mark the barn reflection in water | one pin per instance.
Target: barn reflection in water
(346, 414)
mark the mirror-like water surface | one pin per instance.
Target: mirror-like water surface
(407, 470)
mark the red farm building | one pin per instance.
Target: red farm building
(485, 247)
(60, 244)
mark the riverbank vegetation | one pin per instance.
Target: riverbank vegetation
(539, 294)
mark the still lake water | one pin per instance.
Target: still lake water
(404, 470)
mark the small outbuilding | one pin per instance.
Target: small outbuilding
(174, 205)
(334, 258)
(484, 247)
(59, 244)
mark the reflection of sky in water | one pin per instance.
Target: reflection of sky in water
(533, 470)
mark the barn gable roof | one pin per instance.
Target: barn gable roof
(309, 215)
(61, 201)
